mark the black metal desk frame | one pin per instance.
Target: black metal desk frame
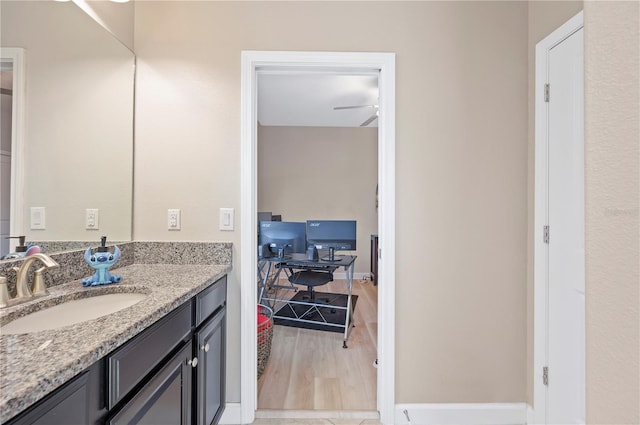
(269, 270)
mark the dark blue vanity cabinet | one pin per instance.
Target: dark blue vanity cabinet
(210, 349)
(76, 402)
(165, 398)
(149, 379)
(171, 373)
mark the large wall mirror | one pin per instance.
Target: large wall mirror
(76, 134)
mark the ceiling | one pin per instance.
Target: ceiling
(309, 98)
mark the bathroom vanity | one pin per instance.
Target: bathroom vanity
(159, 361)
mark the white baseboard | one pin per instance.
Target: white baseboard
(461, 414)
(232, 414)
(531, 415)
(356, 276)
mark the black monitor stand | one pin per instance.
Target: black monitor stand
(332, 255)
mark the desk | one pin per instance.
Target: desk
(268, 278)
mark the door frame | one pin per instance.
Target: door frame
(18, 98)
(541, 216)
(251, 61)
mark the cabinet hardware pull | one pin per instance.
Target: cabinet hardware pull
(205, 348)
(193, 362)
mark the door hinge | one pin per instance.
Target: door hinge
(546, 92)
(380, 253)
(545, 375)
(545, 236)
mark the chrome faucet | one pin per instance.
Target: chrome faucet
(22, 282)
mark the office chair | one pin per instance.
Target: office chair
(311, 279)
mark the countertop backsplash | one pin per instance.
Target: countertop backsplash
(60, 246)
(186, 253)
(73, 265)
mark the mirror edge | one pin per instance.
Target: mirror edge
(17, 56)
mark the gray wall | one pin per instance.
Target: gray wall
(612, 197)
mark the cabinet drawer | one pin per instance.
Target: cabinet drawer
(209, 300)
(166, 399)
(127, 366)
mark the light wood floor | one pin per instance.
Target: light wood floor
(309, 369)
(319, 421)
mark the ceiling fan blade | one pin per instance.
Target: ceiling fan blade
(369, 120)
(337, 108)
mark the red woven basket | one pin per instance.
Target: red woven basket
(265, 335)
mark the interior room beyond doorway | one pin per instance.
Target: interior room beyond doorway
(312, 166)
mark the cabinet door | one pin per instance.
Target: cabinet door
(210, 372)
(166, 398)
(67, 406)
(77, 402)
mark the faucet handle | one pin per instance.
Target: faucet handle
(4, 292)
(39, 288)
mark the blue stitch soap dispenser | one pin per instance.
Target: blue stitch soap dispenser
(101, 260)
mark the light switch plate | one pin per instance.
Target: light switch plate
(38, 215)
(226, 218)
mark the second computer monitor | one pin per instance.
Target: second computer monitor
(338, 235)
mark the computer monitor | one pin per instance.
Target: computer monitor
(288, 235)
(334, 235)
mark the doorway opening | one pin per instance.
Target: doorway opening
(384, 64)
(317, 160)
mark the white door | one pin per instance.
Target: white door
(563, 235)
(566, 233)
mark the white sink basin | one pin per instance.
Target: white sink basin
(71, 313)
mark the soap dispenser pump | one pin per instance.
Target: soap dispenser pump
(103, 244)
(101, 260)
(21, 249)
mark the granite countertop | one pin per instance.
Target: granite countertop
(32, 365)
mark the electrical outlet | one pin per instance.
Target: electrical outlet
(173, 219)
(92, 218)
